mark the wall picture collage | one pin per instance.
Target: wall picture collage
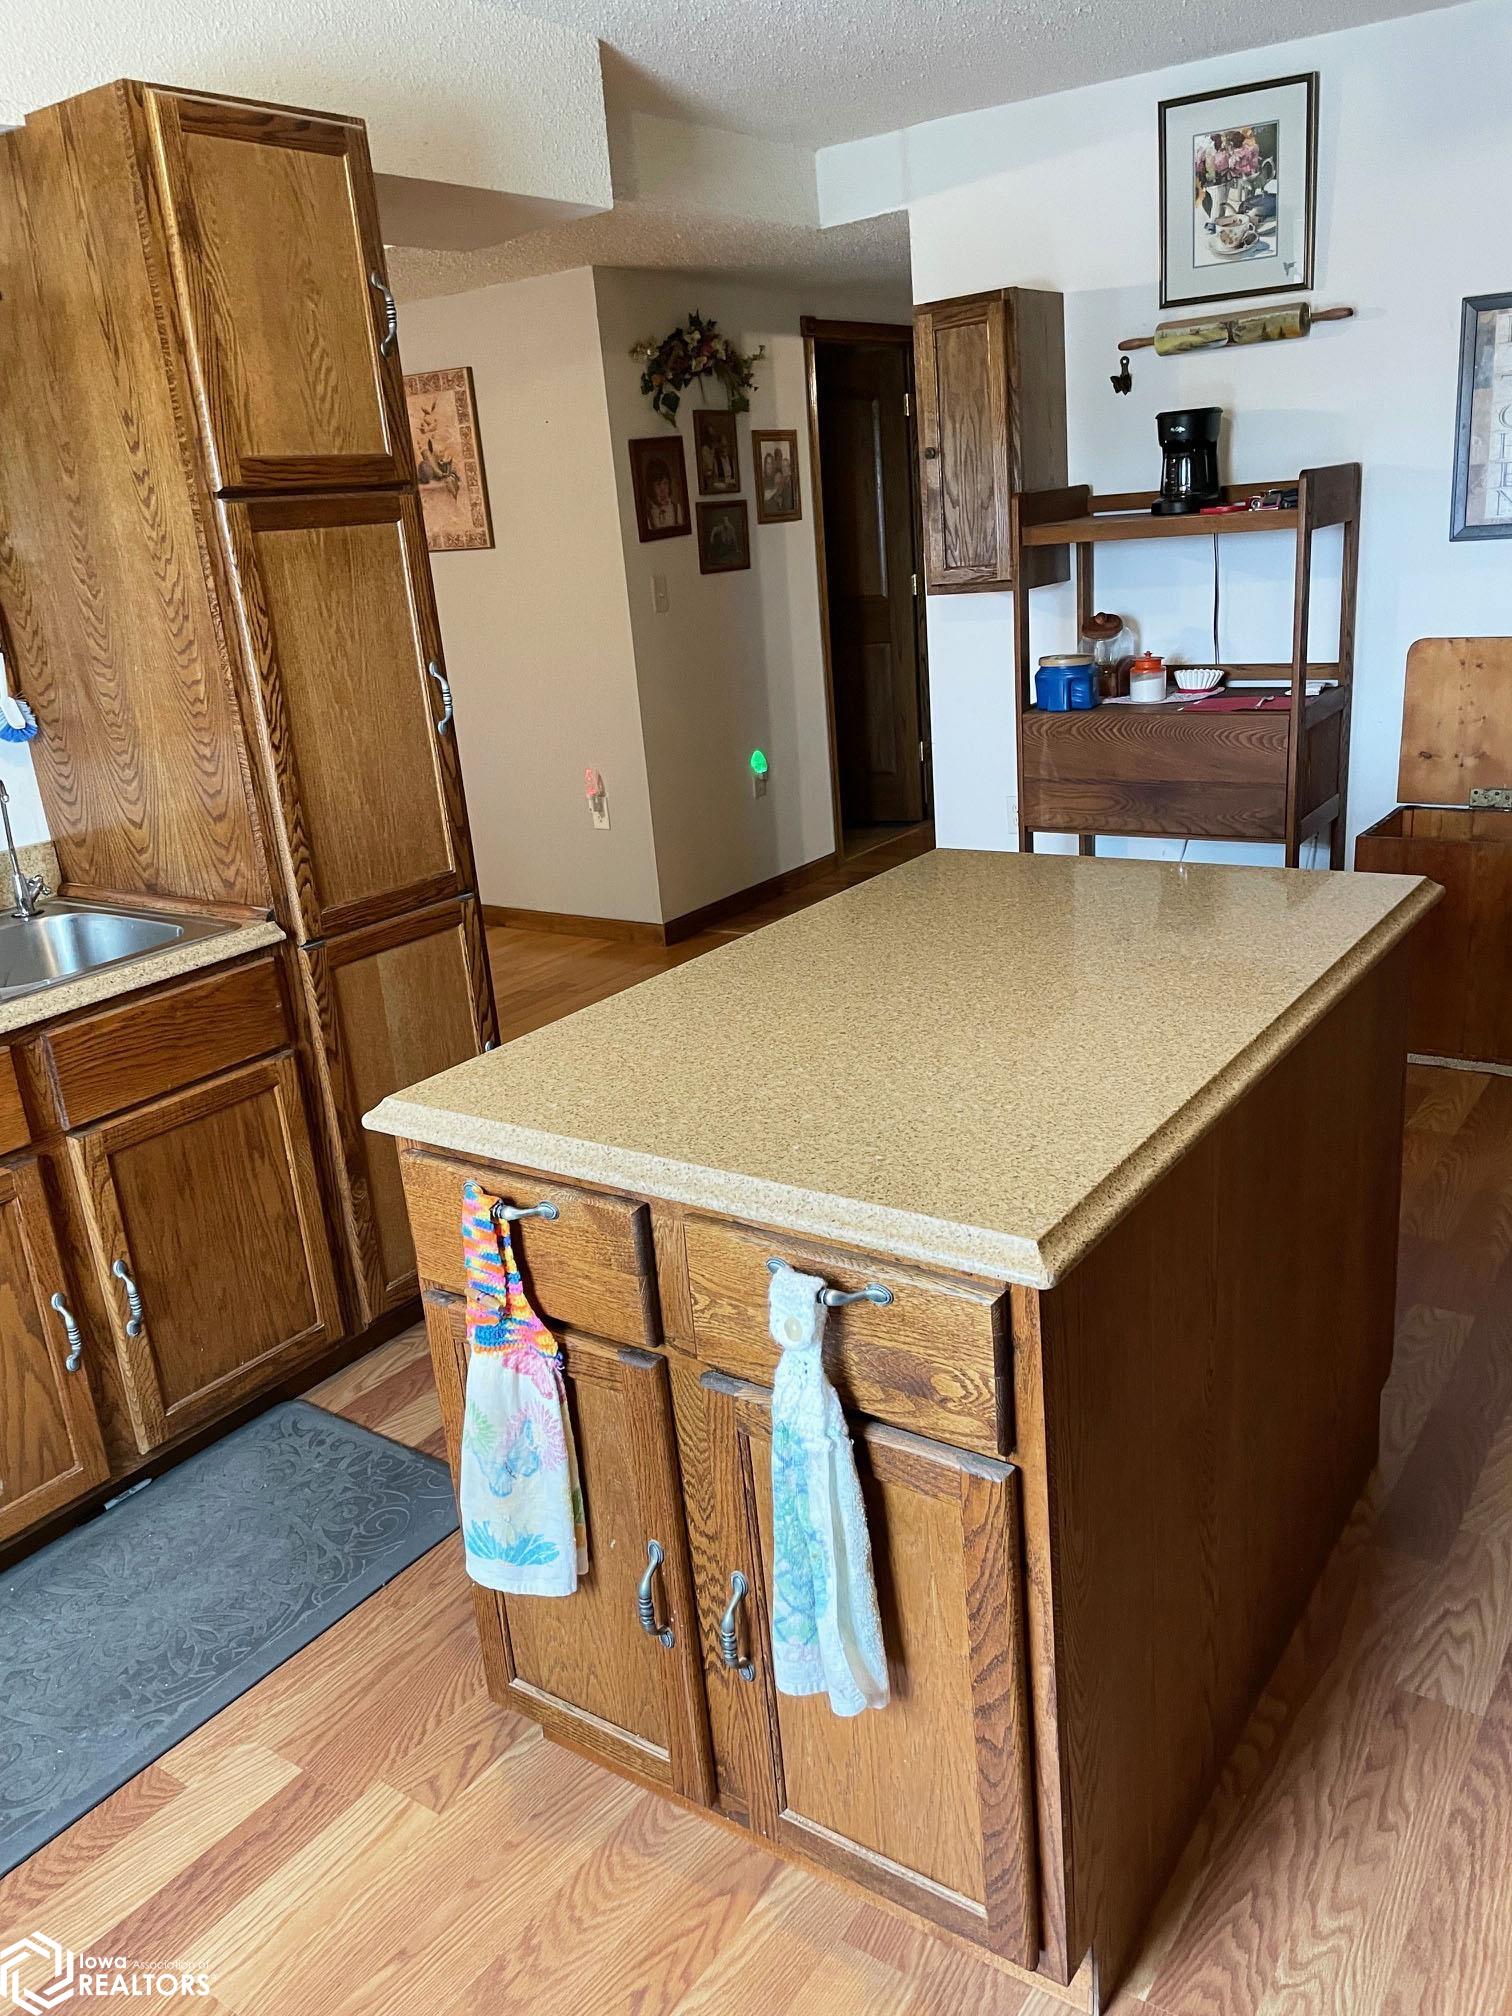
(659, 477)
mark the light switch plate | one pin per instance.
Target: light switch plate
(660, 599)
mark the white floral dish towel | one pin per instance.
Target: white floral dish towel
(826, 1633)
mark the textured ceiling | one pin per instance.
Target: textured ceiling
(825, 70)
(870, 256)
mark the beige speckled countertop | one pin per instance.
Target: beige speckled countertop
(151, 969)
(978, 1061)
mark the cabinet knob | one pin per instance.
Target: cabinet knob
(645, 1598)
(729, 1630)
(133, 1299)
(72, 1332)
(931, 454)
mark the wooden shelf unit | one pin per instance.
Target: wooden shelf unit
(1167, 773)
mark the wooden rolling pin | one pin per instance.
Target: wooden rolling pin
(1250, 325)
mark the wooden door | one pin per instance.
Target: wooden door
(208, 1240)
(393, 1004)
(991, 381)
(927, 1801)
(278, 265)
(583, 1665)
(356, 728)
(865, 462)
(51, 1450)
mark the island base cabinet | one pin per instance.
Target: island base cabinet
(209, 1245)
(589, 1667)
(927, 1802)
(51, 1449)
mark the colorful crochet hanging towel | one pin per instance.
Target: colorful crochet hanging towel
(521, 1503)
(826, 1632)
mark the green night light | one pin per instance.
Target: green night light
(759, 764)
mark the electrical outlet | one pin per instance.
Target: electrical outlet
(660, 599)
(600, 807)
(598, 798)
(758, 783)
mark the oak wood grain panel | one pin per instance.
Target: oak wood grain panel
(15, 1128)
(155, 1043)
(926, 1803)
(269, 220)
(339, 622)
(930, 1361)
(582, 1665)
(591, 1267)
(1179, 1330)
(115, 635)
(51, 1450)
(393, 1004)
(209, 1200)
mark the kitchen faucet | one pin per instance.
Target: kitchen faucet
(27, 891)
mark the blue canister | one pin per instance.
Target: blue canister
(1065, 685)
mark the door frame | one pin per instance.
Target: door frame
(815, 330)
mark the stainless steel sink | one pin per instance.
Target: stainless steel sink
(65, 940)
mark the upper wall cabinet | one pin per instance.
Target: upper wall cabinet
(356, 713)
(991, 374)
(279, 271)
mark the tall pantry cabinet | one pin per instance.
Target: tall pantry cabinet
(216, 590)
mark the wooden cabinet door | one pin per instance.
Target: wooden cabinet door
(393, 1004)
(356, 726)
(209, 1243)
(962, 373)
(50, 1446)
(582, 1665)
(927, 1801)
(278, 264)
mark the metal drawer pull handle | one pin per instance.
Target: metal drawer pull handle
(72, 1332)
(390, 316)
(645, 1598)
(446, 705)
(838, 1298)
(729, 1632)
(513, 1213)
(133, 1299)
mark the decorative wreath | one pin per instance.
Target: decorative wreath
(694, 354)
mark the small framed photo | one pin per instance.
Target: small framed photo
(724, 538)
(1238, 191)
(1482, 501)
(716, 452)
(774, 456)
(659, 478)
(448, 460)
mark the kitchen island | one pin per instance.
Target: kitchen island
(1121, 1143)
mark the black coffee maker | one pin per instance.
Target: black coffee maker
(1189, 473)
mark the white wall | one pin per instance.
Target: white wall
(537, 631)
(1415, 159)
(734, 663)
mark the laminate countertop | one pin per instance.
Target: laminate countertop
(128, 976)
(977, 1061)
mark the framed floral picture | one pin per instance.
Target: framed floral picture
(1238, 191)
(724, 538)
(774, 456)
(1482, 497)
(659, 479)
(448, 460)
(716, 451)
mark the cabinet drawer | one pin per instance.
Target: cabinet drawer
(14, 1130)
(152, 1044)
(589, 1267)
(932, 1361)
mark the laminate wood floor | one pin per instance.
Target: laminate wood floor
(364, 1833)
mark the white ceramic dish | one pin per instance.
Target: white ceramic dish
(1197, 678)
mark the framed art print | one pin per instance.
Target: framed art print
(716, 452)
(774, 454)
(1238, 191)
(659, 480)
(448, 460)
(724, 538)
(1482, 499)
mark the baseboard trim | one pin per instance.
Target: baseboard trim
(691, 922)
(628, 930)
